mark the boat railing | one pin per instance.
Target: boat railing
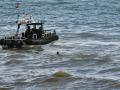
(48, 34)
(15, 37)
(7, 38)
(50, 31)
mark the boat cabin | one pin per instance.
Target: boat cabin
(33, 31)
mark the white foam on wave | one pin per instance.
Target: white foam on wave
(96, 76)
(90, 42)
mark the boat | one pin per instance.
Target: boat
(34, 34)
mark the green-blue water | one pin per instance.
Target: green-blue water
(89, 46)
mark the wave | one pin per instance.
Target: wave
(13, 62)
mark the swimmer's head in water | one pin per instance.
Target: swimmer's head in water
(57, 53)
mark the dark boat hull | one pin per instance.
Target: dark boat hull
(18, 43)
(40, 41)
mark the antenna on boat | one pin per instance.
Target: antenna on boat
(18, 12)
